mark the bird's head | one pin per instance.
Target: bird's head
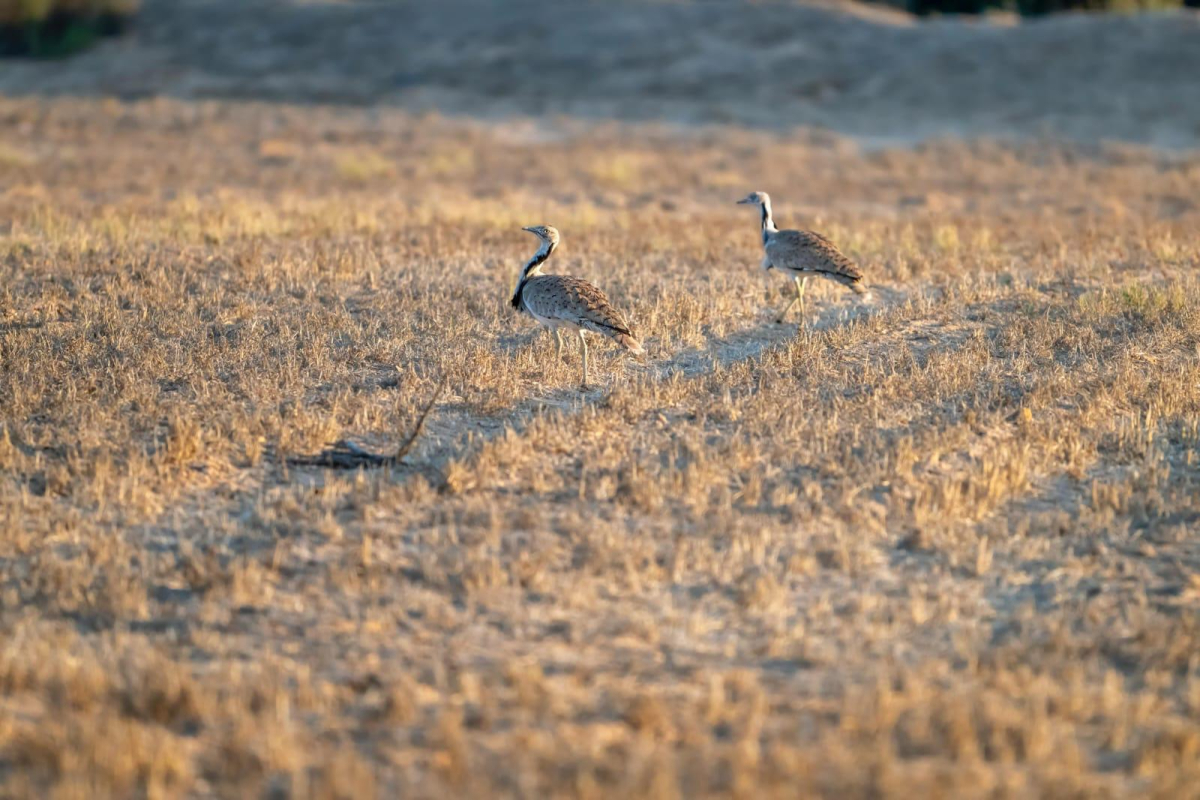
(548, 234)
(755, 199)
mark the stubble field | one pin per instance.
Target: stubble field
(939, 545)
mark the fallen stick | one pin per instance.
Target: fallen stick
(345, 454)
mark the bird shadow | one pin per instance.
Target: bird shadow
(512, 344)
(750, 342)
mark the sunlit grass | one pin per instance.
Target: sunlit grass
(937, 544)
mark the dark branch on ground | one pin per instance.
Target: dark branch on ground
(345, 454)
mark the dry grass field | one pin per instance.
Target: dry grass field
(941, 545)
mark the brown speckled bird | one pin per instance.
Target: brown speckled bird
(560, 301)
(799, 253)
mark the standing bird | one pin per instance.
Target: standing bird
(799, 252)
(560, 301)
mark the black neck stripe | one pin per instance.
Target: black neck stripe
(539, 258)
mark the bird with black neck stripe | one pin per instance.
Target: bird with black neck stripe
(803, 253)
(562, 301)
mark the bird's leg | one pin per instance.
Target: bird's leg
(583, 344)
(799, 298)
(558, 341)
(790, 305)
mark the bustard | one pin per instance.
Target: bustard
(561, 301)
(800, 253)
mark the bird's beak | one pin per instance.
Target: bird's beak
(744, 201)
(527, 229)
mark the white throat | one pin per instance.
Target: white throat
(532, 269)
(768, 223)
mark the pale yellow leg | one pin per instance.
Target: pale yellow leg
(799, 298)
(558, 341)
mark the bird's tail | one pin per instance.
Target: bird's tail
(631, 344)
(863, 291)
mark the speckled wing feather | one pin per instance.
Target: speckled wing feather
(805, 251)
(577, 302)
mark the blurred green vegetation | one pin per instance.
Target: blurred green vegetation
(55, 28)
(1033, 8)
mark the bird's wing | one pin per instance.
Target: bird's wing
(805, 251)
(574, 300)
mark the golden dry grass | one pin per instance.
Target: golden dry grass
(942, 546)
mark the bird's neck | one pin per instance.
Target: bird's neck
(532, 269)
(768, 224)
